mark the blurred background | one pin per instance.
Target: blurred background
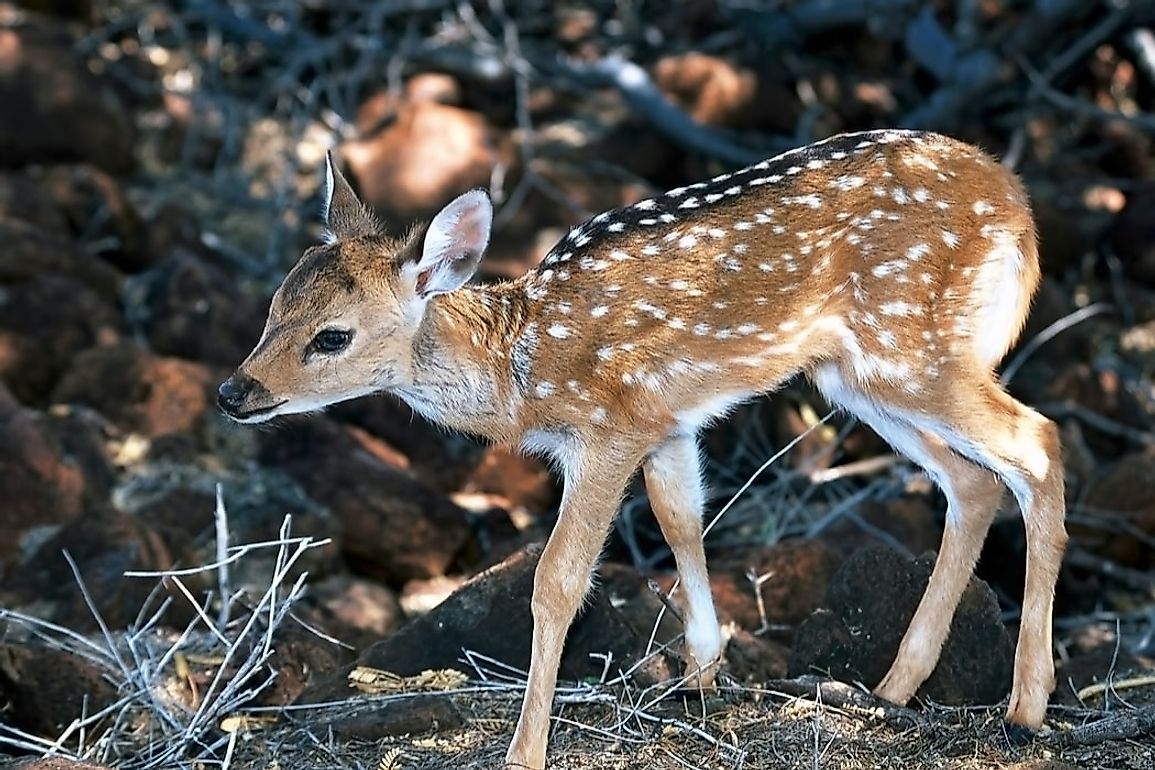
(160, 170)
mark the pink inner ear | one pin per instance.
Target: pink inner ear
(421, 282)
(470, 230)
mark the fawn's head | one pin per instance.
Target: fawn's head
(344, 321)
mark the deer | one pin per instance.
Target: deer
(893, 268)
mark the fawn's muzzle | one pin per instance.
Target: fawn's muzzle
(232, 393)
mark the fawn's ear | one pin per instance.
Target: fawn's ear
(454, 243)
(344, 214)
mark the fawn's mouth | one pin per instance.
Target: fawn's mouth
(259, 414)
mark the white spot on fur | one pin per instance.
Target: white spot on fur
(558, 331)
(982, 208)
(917, 251)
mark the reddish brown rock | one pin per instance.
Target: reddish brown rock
(52, 469)
(24, 198)
(138, 391)
(359, 612)
(1133, 235)
(55, 108)
(44, 323)
(442, 459)
(753, 659)
(519, 481)
(871, 599)
(714, 91)
(94, 206)
(909, 521)
(795, 575)
(423, 157)
(395, 527)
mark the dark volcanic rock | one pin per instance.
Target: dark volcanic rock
(47, 689)
(797, 573)
(104, 544)
(871, 600)
(29, 252)
(55, 108)
(44, 323)
(191, 309)
(491, 615)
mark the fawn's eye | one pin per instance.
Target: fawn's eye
(331, 340)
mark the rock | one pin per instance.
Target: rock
(796, 573)
(359, 612)
(490, 615)
(425, 155)
(49, 763)
(30, 253)
(191, 309)
(418, 597)
(413, 715)
(714, 91)
(300, 657)
(1133, 235)
(517, 480)
(94, 207)
(138, 391)
(24, 198)
(395, 527)
(45, 689)
(55, 108)
(104, 545)
(177, 498)
(910, 521)
(439, 458)
(1105, 663)
(44, 323)
(753, 660)
(871, 600)
(53, 468)
(1118, 521)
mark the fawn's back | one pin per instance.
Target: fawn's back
(890, 254)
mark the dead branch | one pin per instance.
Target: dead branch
(845, 696)
(1124, 725)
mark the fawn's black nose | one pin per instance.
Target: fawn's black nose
(232, 393)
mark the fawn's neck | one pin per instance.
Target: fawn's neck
(463, 368)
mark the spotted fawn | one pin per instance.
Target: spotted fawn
(892, 268)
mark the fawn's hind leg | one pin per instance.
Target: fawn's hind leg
(972, 494)
(1022, 447)
(673, 482)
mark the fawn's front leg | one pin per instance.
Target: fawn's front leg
(673, 482)
(595, 478)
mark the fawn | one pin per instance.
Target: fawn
(893, 268)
